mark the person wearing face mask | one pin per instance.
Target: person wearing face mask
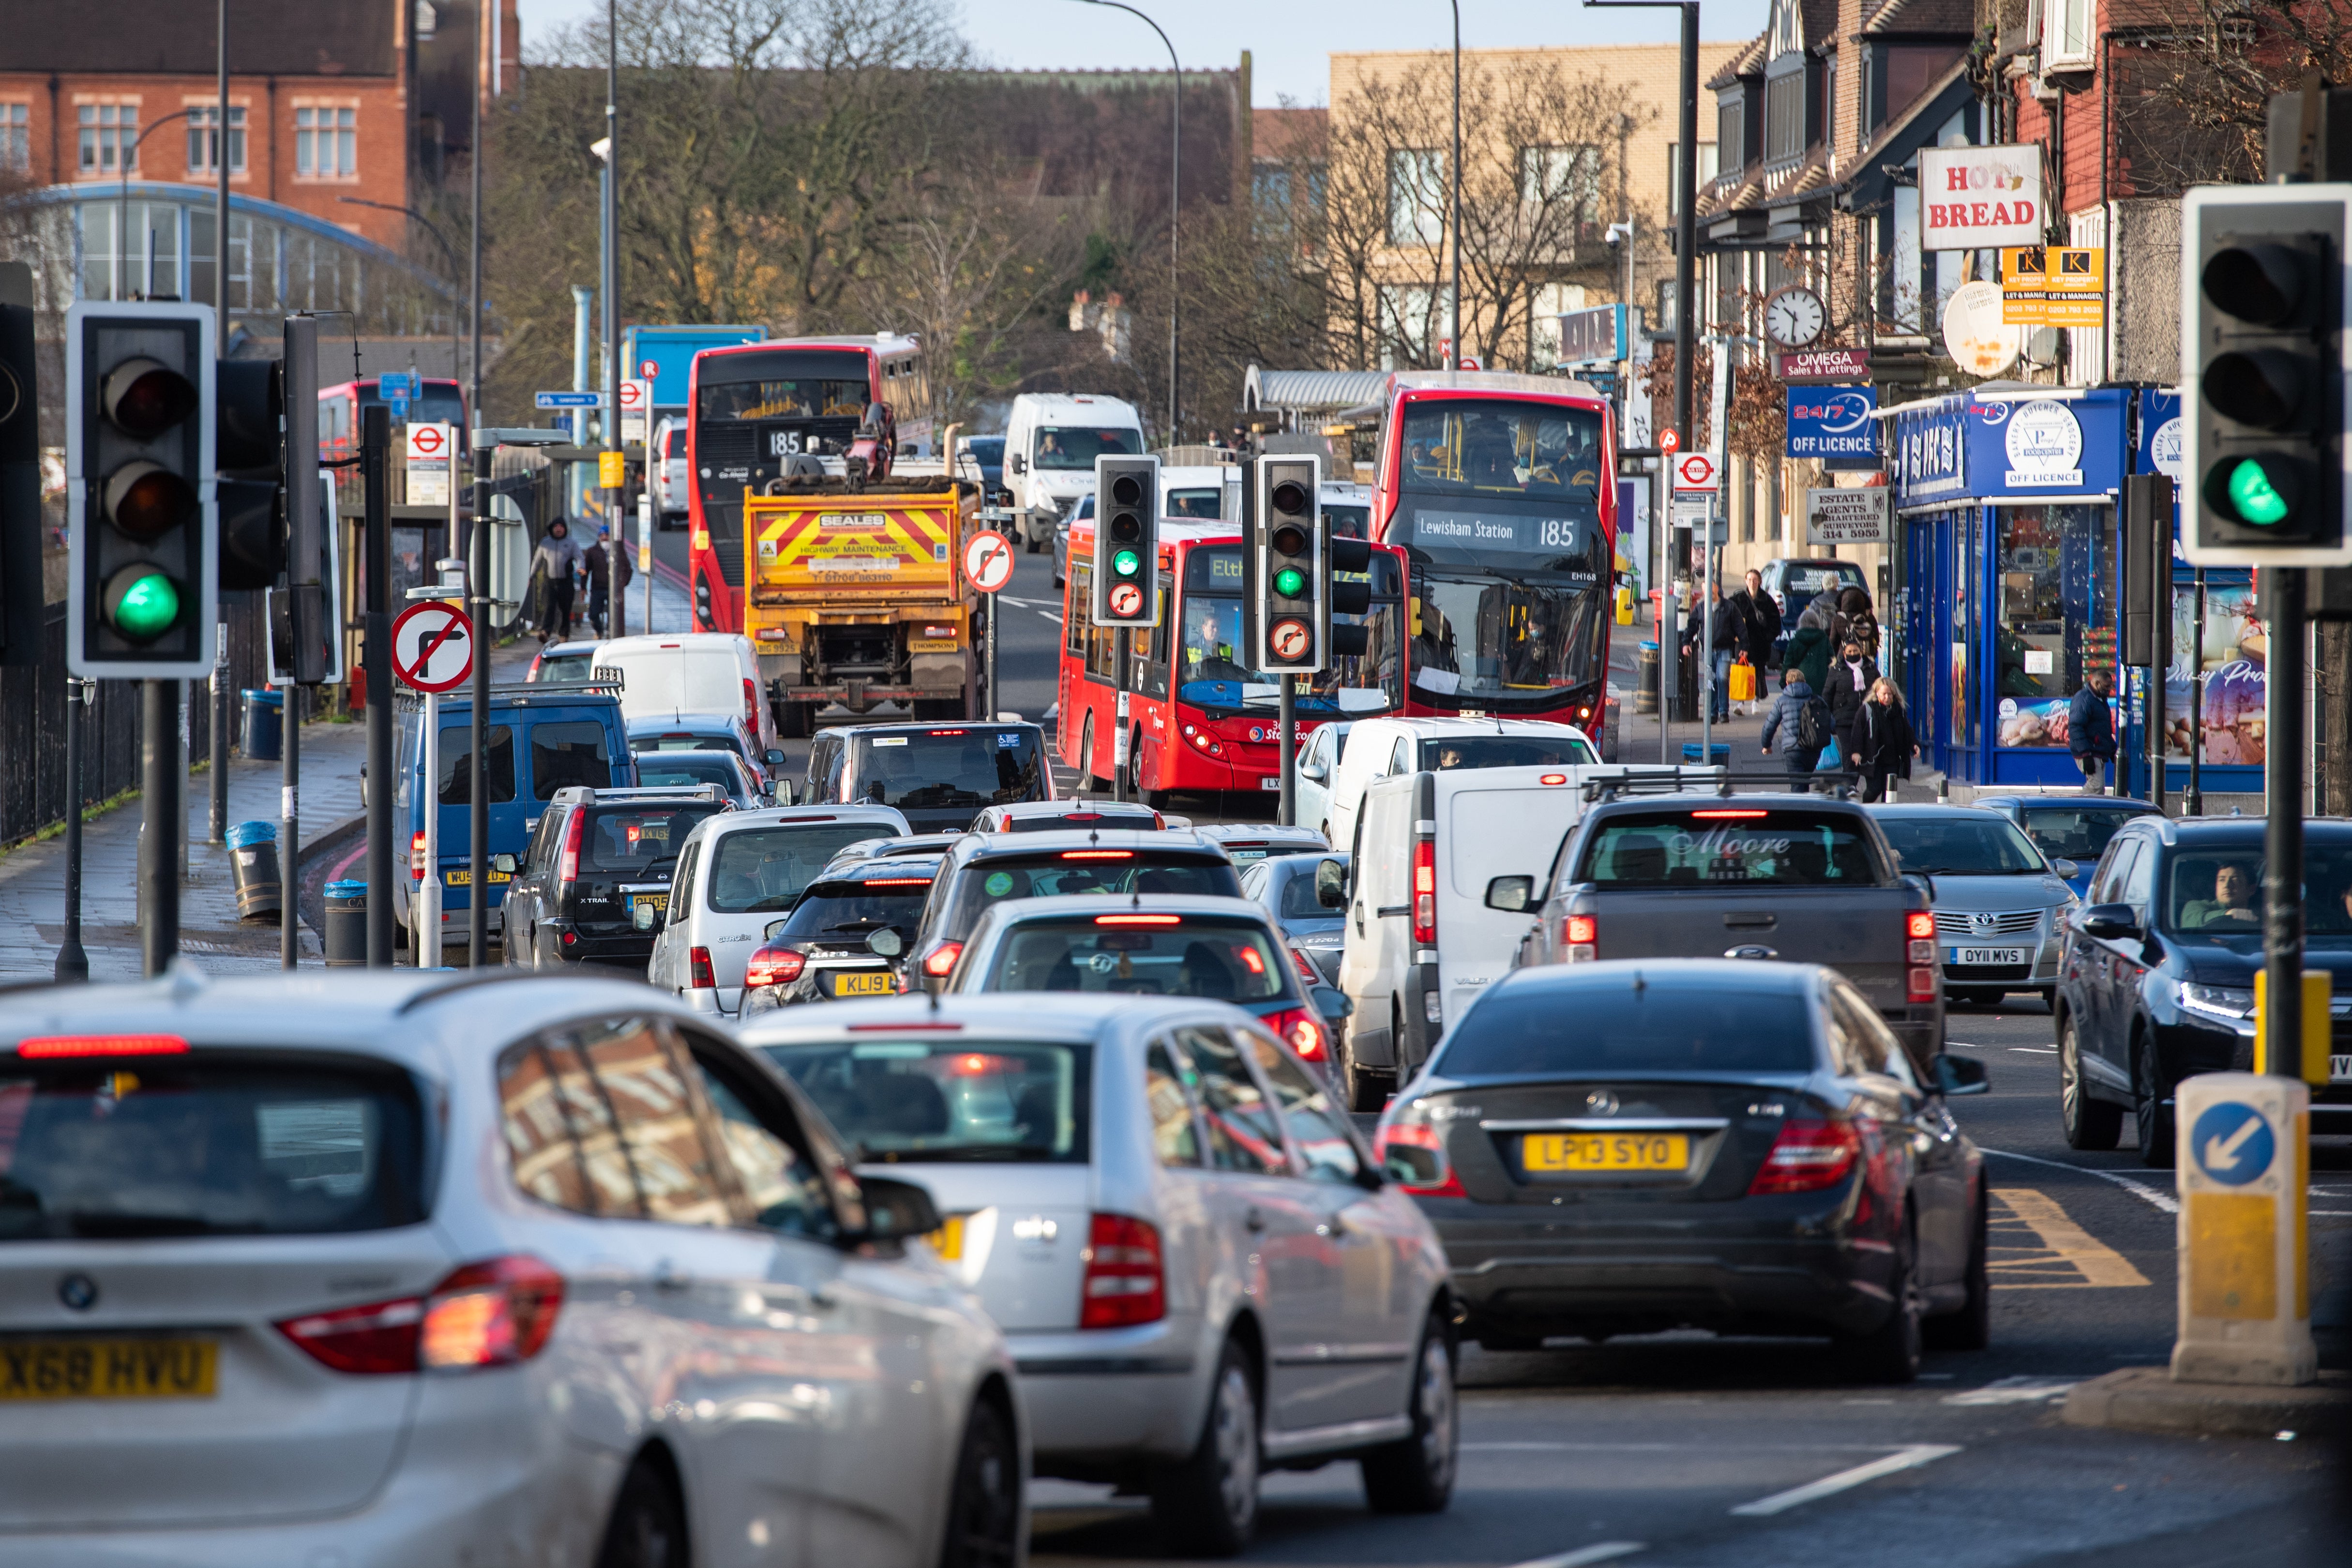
(1850, 677)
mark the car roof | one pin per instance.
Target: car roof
(1689, 799)
(1224, 832)
(2233, 832)
(1070, 806)
(648, 723)
(1301, 862)
(923, 726)
(891, 866)
(650, 642)
(1458, 726)
(1680, 974)
(1060, 1015)
(1921, 810)
(2120, 805)
(589, 645)
(976, 846)
(794, 815)
(1059, 905)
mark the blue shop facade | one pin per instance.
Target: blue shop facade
(2007, 518)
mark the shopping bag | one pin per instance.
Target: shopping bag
(1833, 759)
(1743, 682)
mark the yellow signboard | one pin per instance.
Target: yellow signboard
(2054, 285)
(826, 543)
(612, 470)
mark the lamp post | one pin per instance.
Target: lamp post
(1175, 197)
(448, 253)
(123, 193)
(1454, 303)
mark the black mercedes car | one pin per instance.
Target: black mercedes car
(1645, 1144)
(2155, 981)
(845, 937)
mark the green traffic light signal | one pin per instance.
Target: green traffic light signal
(2254, 497)
(1290, 582)
(141, 604)
(1126, 563)
(2261, 492)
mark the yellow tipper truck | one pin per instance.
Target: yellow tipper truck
(857, 594)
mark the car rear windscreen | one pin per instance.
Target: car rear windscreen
(1058, 822)
(948, 769)
(2075, 833)
(856, 906)
(1615, 1028)
(1717, 847)
(1979, 846)
(671, 770)
(1142, 955)
(758, 868)
(621, 840)
(1504, 751)
(1054, 872)
(207, 1144)
(942, 1099)
(565, 666)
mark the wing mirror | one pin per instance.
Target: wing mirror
(1315, 771)
(1016, 463)
(2066, 870)
(1331, 885)
(1333, 1004)
(505, 863)
(773, 757)
(1960, 1075)
(775, 929)
(895, 1210)
(886, 944)
(2111, 922)
(1512, 895)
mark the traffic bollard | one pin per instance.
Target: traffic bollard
(2244, 1161)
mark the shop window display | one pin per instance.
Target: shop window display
(2053, 578)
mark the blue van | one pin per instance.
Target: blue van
(542, 737)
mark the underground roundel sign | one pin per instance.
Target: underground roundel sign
(1695, 471)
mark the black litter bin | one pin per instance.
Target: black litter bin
(346, 931)
(253, 863)
(265, 724)
(1645, 679)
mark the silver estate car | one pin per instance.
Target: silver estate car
(378, 1269)
(2000, 903)
(1199, 1270)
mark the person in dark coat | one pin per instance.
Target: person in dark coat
(1884, 744)
(1787, 721)
(1848, 692)
(1857, 622)
(554, 563)
(1759, 619)
(596, 562)
(1725, 627)
(1811, 645)
(2091, 732)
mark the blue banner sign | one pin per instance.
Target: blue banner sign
(572, 400)
(1833, 422)
(2011, 446)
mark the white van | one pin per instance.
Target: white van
(669, 476)
(1382, 748)
(1051, 442)
(675, 675)
(1420, 943)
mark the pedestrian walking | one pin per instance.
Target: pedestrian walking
(1850, 680)
(1800, 721)
(1813, 642)
(556, 555)
(596, 562)
(2091, 732)
(1883, 742)
(1725, 627)
(1857, 622)
(1759, 618)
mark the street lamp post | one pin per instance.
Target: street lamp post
(122, 197)
(1175, 198)
(1454, 304)
(448, 253)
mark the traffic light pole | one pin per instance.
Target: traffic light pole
(219, 735)
(1120, 761)
(290, 828)
(163, 821)
(477, 739)
(2282, 867)
(1286, 812)
(376, 440)
(73, 964)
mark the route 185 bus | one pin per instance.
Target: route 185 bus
(1196, 718)
(1501, 490)
(754, 409)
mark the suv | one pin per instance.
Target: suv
(844, 936)
(1684, 875)
(1794, 584)
(983, 870)
(940, 775)
(1061, 816)
(595, 880)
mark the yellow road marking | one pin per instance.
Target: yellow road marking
(2032, 1246)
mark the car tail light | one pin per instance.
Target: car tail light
(942, 961)
(573, 832)
(1580, 936)
(42, 1047)
(1807, 1156)
(1123, 1284)
(1306, 970)
(1098, 853)
(1919, 984)
(1918, 948)
(697, 964)
(416, 857)
(1302, 1031)
(1919, 923)
(485, 1314)
(752, 705)
(1424, 892)
(773, 966)
(1415, 1156)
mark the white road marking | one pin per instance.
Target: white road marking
(1600, 1551)
(2162, 1200)
(1909, 1458)
(2014, 1391)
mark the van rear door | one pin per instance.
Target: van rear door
(1492, 822)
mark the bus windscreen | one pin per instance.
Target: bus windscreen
(1210, 668)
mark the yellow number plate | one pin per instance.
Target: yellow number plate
(465, 879)
(660, 901)
(109, 1369)
(1605, 1152)
(948, 1240)
(879, 982)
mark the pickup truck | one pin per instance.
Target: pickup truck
(1802, 879)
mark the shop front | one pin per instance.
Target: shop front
(2007, 503)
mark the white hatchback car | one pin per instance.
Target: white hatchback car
(1199, 1270)
(735, 880)
(367, 1269)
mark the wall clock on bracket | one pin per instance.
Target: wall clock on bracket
(1794, 316)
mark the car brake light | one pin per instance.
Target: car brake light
(573, 831)
(1580, 937)
(1301, 1030)
(1138, 920)
(775, 966)
(752, 705)
(1415, 1156)
(1306, 971)
(1919, 922)
(896, 882)
(1098, 853)
(1424, 892)
(485, 1314)
(1553, 779)
(942, 961)
(52, 1046)
(416, 857)
(697, 964)
(1807, 1156)
(1718, 816)
(1123, 1284)
(1919, 983)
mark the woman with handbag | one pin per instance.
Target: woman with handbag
(1883, 742)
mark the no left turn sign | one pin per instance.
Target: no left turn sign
(988, 561)
(433, 647)
(1695, 471)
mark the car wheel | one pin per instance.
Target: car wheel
(1206, 1504)
(1415, 1473)
(2154, 1123)
(2088, 1122)
(983, 1528)
(1890, 1353)
(795, 719)
(648, 1529)
(1366, 1089)
(1971, 1327)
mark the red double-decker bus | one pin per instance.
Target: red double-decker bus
(1197, 718)
(758, 412)
(438, 402)
(1501, 491)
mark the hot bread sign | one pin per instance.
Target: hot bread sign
(1979, 197)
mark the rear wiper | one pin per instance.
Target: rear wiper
(1008, 1154)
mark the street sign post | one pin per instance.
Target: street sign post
(988, 567)
(1695, 471)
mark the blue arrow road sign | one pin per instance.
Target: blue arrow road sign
(2231, 1143)
(572, 400)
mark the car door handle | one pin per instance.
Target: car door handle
(1254, 1219)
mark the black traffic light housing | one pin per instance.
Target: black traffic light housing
(1286, 575)
(1125, 583)
(2263, 313)
(21, 609)
(141, 519)
(249, 460)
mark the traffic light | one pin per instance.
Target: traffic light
(1125, 590)
(249, 465)
(2262, 307)
(1347, 593)
(1291, 616)
(21, 610)
(142, 521)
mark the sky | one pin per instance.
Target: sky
(1289, 41)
